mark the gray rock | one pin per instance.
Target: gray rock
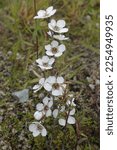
(2, 94)
(9, 53)
(22, 95)
(1, 118)
(92, 86)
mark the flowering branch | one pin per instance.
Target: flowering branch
(58, 103)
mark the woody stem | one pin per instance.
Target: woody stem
(37, 44)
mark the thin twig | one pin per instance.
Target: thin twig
(67, 119)
(37, 44)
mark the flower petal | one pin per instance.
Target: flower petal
(54, 43)
(49, 53)
(61, 48)
(60, 37)
(68, 102)
(62, 122)
(36, 133)
(44, 132)
(55, 113)
(45, 59)
(48, 113)
(61, 23)
(45, 67)
(64, 86)
(64, 30)
(53, 12)
(60, 80)
(41, 81)
(39, 61)
(51, 61)
(72, 112)
(57, 92)
(45, 100)
(39, 106)
(51, 27)
(48, 47)
(48, 86)
(53, 22)
(32, 127)
(62, 109)
(51, 79)
(73, 103)
(71, 120)
(38, 115)
(40, 14)
(49, 9)
(49, 33)
(58, 54)
(37, 87)
(50, 103)
(36, 17)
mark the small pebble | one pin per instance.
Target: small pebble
(22, 95)
(92, 86)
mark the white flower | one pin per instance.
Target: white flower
(71, 102)
(45, 63)
(54, 49)
(70, 119)
(45, 13)
(56, 111)
(38, 86)
(55, 85)
(44, 108)
(58, 26)
(50, 33)
(38, 115)
(59, 37)
(36, 128)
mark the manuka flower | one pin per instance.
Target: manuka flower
(45, 63)
(58, 26)
(36, 128)
(70, 118)
(45, 13)
(44, 108)
(71, 102)
(38, 86)
(56, 111)
(59, 37)
(54, 49)
(55, 85)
